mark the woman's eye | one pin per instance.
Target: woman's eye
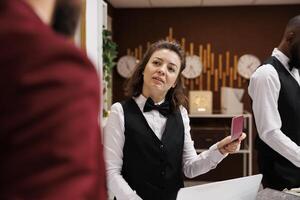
(157, 63)
(171, 69)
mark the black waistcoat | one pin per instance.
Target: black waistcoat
(152, 167)
(282, 173)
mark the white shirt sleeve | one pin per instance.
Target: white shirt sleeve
(264, 88)
(113, 149)
(193, 164)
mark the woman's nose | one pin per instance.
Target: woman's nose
(162, 70)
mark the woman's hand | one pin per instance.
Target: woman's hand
(228, 146)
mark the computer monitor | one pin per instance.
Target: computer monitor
(244, 188)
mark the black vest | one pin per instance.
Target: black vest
(288, 175)
(152, 167)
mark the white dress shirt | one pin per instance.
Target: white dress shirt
(114, 138)
(264, 90)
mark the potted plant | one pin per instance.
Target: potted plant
(109, 54)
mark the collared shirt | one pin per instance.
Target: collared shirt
(193, 164)
(264, 90)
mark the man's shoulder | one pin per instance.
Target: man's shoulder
(264, 75)
(53, 45)
(38, 45)
(20, 22)
(25, 36)
(264, 71)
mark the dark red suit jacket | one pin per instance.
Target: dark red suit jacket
(50, 145)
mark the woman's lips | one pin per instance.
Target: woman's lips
(158, 79)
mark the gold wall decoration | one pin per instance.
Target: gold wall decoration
(82, 27)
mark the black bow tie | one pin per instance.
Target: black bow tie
(163, 108)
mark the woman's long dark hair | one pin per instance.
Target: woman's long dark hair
(175, 96)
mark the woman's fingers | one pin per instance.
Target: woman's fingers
(233, 147)
(242, 137)
(228, 146)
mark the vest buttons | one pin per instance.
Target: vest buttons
(163, 173)
(161, 146)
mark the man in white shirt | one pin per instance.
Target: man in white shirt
(275, 91)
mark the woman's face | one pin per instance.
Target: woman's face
(161, 72)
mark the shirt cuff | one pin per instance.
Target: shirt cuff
(216, 155)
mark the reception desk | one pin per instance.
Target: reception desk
(268, 194)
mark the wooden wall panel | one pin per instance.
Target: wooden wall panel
(256, 30)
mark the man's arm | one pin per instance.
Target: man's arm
(264, 90)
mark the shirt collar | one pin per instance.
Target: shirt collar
(141, 100)
(281, 57)
(285, 60)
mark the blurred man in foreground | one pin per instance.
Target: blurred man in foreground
(49, 132)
